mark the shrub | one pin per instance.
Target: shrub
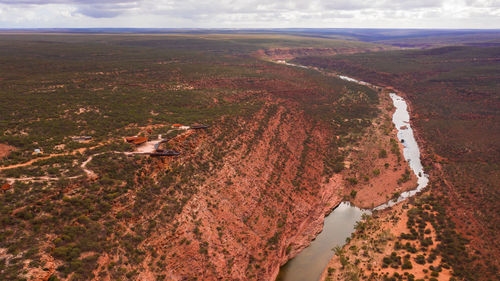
(353, 194)
(420, 259)
(407, 264)
(382, 153)
(352, 181)
(343, 261)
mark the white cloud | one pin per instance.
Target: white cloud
(250, 13)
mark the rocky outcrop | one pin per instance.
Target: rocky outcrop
(264, 202)
(290, 53)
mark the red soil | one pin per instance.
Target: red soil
(5, 150)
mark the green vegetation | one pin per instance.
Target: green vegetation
(353, 194)
(393, 261)
(108, 87)
(454, 96)
(404, 177)
(64, 86)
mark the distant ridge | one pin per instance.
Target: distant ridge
(422, 38)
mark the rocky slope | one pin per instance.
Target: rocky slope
(255, 206)
(290, 53)
(261, 199)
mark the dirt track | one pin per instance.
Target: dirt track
(33, 161)
(145, 148)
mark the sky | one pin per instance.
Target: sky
(250, 13)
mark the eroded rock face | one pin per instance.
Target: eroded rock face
(254, 193)
(262, 204)
(290, 53)
(264, 200)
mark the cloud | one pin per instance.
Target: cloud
(46, 2)
(95, 12)
(483, 3)
(90, 8)
(106, 10)
(251, 13)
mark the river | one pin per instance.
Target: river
(340, 223)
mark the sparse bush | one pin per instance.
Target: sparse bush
(382, 153)
(353, 194)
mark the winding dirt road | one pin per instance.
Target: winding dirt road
(146, 148)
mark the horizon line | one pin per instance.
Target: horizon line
(244, 28)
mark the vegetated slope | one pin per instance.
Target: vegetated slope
(404, 242)
(375, 166)
(243, 196)
(455, 105)
(290, 53)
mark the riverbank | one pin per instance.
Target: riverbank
(377, 162)
(310, 262)
(360, 167)
(393, 178)
(380, 246)
(375, 170)
(459, 143)
(377, 250)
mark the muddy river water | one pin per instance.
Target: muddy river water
(340, 223)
